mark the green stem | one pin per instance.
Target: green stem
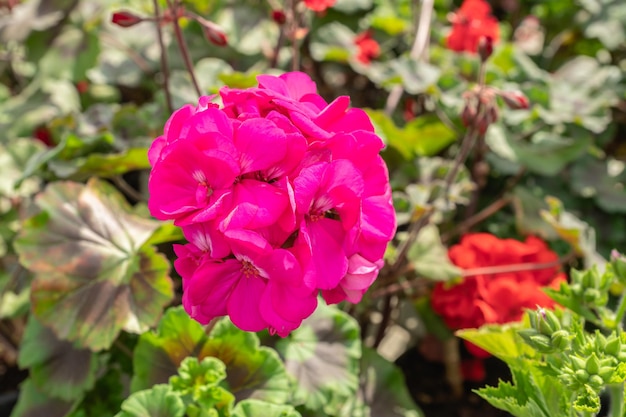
(616, 392)
(621, 309)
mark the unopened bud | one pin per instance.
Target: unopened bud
(619, 265)
(486, 118)
(125, 19)
(593, 364)
(485, 47)
(468, 116)
(279, 17)
(560, 340)
(515, 100)
(613, 345)
(213, 32)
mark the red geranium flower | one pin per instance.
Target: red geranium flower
(470, 23)
(319, 5)
(367, 47)
(495, 298)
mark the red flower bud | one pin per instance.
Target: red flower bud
(485, 47)
(43, 135)
(279, 17)
(82, 86)
(214, 33)
(125, 19)
(468, 115)
(515, 99)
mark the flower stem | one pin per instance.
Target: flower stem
(184, 51)
(621, 309)
(616, 392)
(164, 64)
(417, 51)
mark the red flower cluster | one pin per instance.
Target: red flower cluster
(470, 23)
(367, 47)
(495, 298)
(319, 5)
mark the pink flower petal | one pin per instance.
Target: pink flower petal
(260, 143)
(206, 293)
(328, 261)
(243, 304)
(256, 204)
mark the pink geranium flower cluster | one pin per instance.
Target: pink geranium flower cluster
(280, 195)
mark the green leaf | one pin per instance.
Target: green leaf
(527, 207)
(159, 353)
(158, 401)
(587, 401)
(501, 341)
(13, 305)
(257, 408)
(430, 258)
(73, 53)
(101, 165)
(603, 181)
(93, 274)
(605, 21)
(574, 231)
(433, 322)
(34, 403)
(547, 153)
(199, 380)
(239, 79)
(424, 135)
(383, 388)
(114, 383)
(57, 367)
(252, 371)
(415, 76)
(14, 157)
(323, 358)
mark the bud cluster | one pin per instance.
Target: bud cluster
(481, 107)
(589, 288)
(585, 363)
(546, 334)
(600, 361)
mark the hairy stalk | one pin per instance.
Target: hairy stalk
(477, 218)
(490, 270)
(121, 183)
(382, 327)
(292, 20)
(420, 282)
(164, 64)
(184, 50)
(279, 44)
(417, 51)
(616, 393)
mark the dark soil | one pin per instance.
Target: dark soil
(430, 390)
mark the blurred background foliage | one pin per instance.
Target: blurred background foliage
(81, 97)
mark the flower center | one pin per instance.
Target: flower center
(203, 182)
(248, 269)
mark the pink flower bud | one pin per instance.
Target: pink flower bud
(125, 19)
(515, 99)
